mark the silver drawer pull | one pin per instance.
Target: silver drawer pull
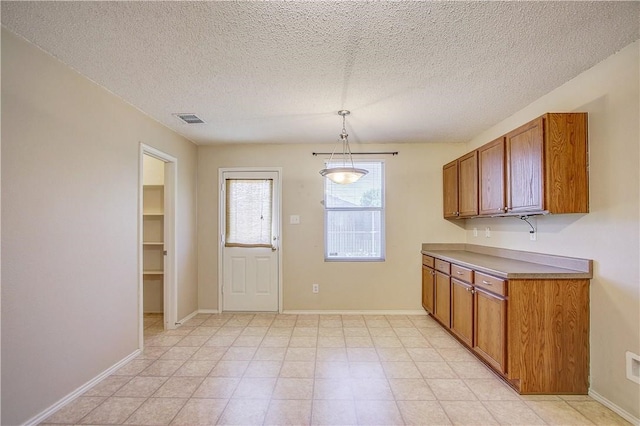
(459, 272)
(486, 282)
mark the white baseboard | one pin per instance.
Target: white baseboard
(188, 317)
(356, 312)
(618, 410)
(208, 311)
(82, 389)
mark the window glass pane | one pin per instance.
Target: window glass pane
(248, 215)
(367, 192)
(354, 234)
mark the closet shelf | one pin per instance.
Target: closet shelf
(152, 272)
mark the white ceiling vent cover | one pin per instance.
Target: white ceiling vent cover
(189, 118)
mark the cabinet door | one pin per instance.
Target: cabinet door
(450, 189)
(492, 178)
(468, 185)
(490, 328)
(428, 278)
(525, 186)
(443, 299)
(462, 310)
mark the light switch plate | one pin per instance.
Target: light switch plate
(294, 219)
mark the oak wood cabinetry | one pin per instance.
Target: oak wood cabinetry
(428, 283)
(534, 332)
(540, 167)
(460, 186)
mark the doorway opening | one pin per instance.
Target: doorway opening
(157, 260)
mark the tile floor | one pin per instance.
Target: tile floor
(308, 369)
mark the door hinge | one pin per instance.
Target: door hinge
(164, 252)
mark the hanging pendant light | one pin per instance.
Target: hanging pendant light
(348, 173)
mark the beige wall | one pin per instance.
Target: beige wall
(610, 233)
(70, 163)
(413, 216)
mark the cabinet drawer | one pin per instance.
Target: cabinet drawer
(493, 284)
(427, 260)
(442, 266)
(463, 274)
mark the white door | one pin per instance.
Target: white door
(250, 203)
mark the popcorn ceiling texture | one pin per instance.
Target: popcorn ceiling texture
(279, 72)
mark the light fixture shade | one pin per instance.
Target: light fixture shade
(343, 175)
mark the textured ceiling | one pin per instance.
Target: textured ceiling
(279, 71)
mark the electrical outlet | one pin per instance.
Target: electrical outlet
(533, 235)
(487, 232)
(475, 232)
(315, 288)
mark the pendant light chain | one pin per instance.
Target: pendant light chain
(344, 174)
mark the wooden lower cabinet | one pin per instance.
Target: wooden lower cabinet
(442, 306)
(490, 328)
(462, 311)
(532, 332)
(428, 281)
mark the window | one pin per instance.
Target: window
(354, 216)
(248, 215)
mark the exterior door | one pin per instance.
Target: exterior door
(250, 237)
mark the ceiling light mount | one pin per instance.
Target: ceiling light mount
(347, 173)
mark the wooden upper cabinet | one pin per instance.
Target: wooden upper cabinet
(491, 178)
(547, 168)
(450, 189)
(468, 185)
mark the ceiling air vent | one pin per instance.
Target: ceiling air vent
(189, 118)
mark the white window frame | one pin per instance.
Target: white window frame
(381, 209)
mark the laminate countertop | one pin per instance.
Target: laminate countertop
(511, 264)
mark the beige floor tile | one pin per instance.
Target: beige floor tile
(435, 332)
(75, 410)
(220, 341)
(450, 390)
(332, 370)
(382, 332)
(283, 412)
(216, 387)
(468, 413)
(133, 367)
(114, 410)
(362, 355)
(239, 354)
(358, 342)
(407, 331)
(366, 370)
(140, 387)
(332, 389)
(597, 413)
(425, 355)
(558, 413)
(471, 370)
(283, 323)
(386, 342)
(333, 412)
(491, 389)
(370, 389)
(270, 354)
(300, 369)
(331, 342)
(244, 412)
(353, 322)
(305, 332)
(248, 341)
(330, 323)
(300, 354)
(156, 411)
(293, 388)
(331, 354)
(423, 413)
(401, 370)
(198, 412)
(152, 352)
(204, 331)
(411, 390)
(444, 342)
(108, 386)
(208, 354)
(393, 354)
(263, 369)
(575, 398)
(458, 354)
(229, 369)
(356, 332)
(378, 413)
(275, 342)
(330, 332)
(540, 398)
(255, 388)
(303, 342)
(397, 322)
(307, 322)
(436, 370)
(262, 321)
(196, 368)
(254, 331)
(279, 332)
(178, 387)
(193, 340)
(414, 342)
(163, 340)
(179, 353)
(512, 413)
(377, 323)
(162, 368)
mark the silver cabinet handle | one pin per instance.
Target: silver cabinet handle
(486, 282)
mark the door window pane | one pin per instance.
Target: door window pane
(248, 215)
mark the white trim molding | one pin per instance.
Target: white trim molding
(615, 408)
(357, 312)
(82, 389)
